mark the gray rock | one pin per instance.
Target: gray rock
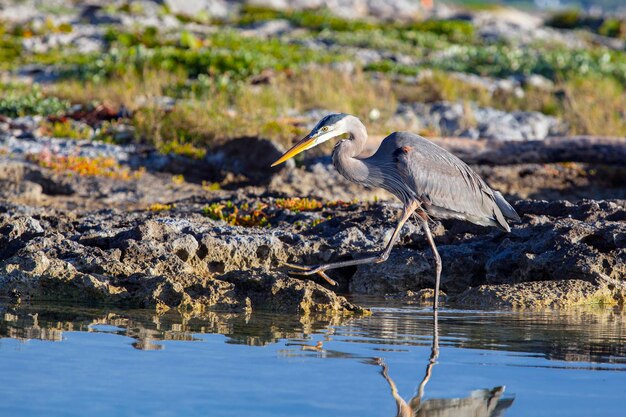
(214, 8)
(269, 28)
(457, 119)
(539, 295)
(182, 259)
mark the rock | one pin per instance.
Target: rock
(24, 191)
(16, 232)
(182, 259)
(457, 119)
(401, 273)
(248, 156)
(519, 28)
(321, 180)
(538, 295)
(565, 241)
(279, 293)
(269, 28)
(213, 8)
(398, 9)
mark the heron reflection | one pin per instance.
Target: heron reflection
(480, 403)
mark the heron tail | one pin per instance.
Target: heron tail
(507, 210)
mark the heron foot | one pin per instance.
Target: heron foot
(310, 270)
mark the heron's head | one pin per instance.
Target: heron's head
(329, 127)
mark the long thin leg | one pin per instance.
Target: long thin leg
(429, 236)
(303, 270)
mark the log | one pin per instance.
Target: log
(587, 149)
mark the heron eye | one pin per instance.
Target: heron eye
(325, 129)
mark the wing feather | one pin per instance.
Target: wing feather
(445, 185)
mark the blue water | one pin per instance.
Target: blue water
(67, 362)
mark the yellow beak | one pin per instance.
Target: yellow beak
(307, 143)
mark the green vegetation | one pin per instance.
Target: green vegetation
(324, 21)
(158, 207)
(504, 61)
(224, 54)
(575, 19)
(299, 204)
(66, 129)
(262, 214)
(208, 118)
(311, 19)
(17, 101)
(225, 84)
(242, 215)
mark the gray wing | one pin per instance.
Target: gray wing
(445, 185)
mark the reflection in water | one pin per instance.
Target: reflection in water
(49, 322)
(480, 403)
(532, 352)
(583, 336)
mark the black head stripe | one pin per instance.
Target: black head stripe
(330, 120)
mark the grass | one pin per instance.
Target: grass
(322, 20)
(503, 61)
(200, 121)
(259, 110)
(132, 90)
(224, 54)
(66, 129)
(182, 148)
(214, 77)
(317, 20)
(588, 105)
(595, 106)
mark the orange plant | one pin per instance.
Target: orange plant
(84, 166)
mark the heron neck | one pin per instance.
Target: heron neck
(346, 152)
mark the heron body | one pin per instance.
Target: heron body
(426, 178)
(414, 169)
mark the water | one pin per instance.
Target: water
(61, 361)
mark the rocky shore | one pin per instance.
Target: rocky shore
(152, 240)
(136, 140)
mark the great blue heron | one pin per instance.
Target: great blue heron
(427, 179)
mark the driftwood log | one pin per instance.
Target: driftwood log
(593, 150)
